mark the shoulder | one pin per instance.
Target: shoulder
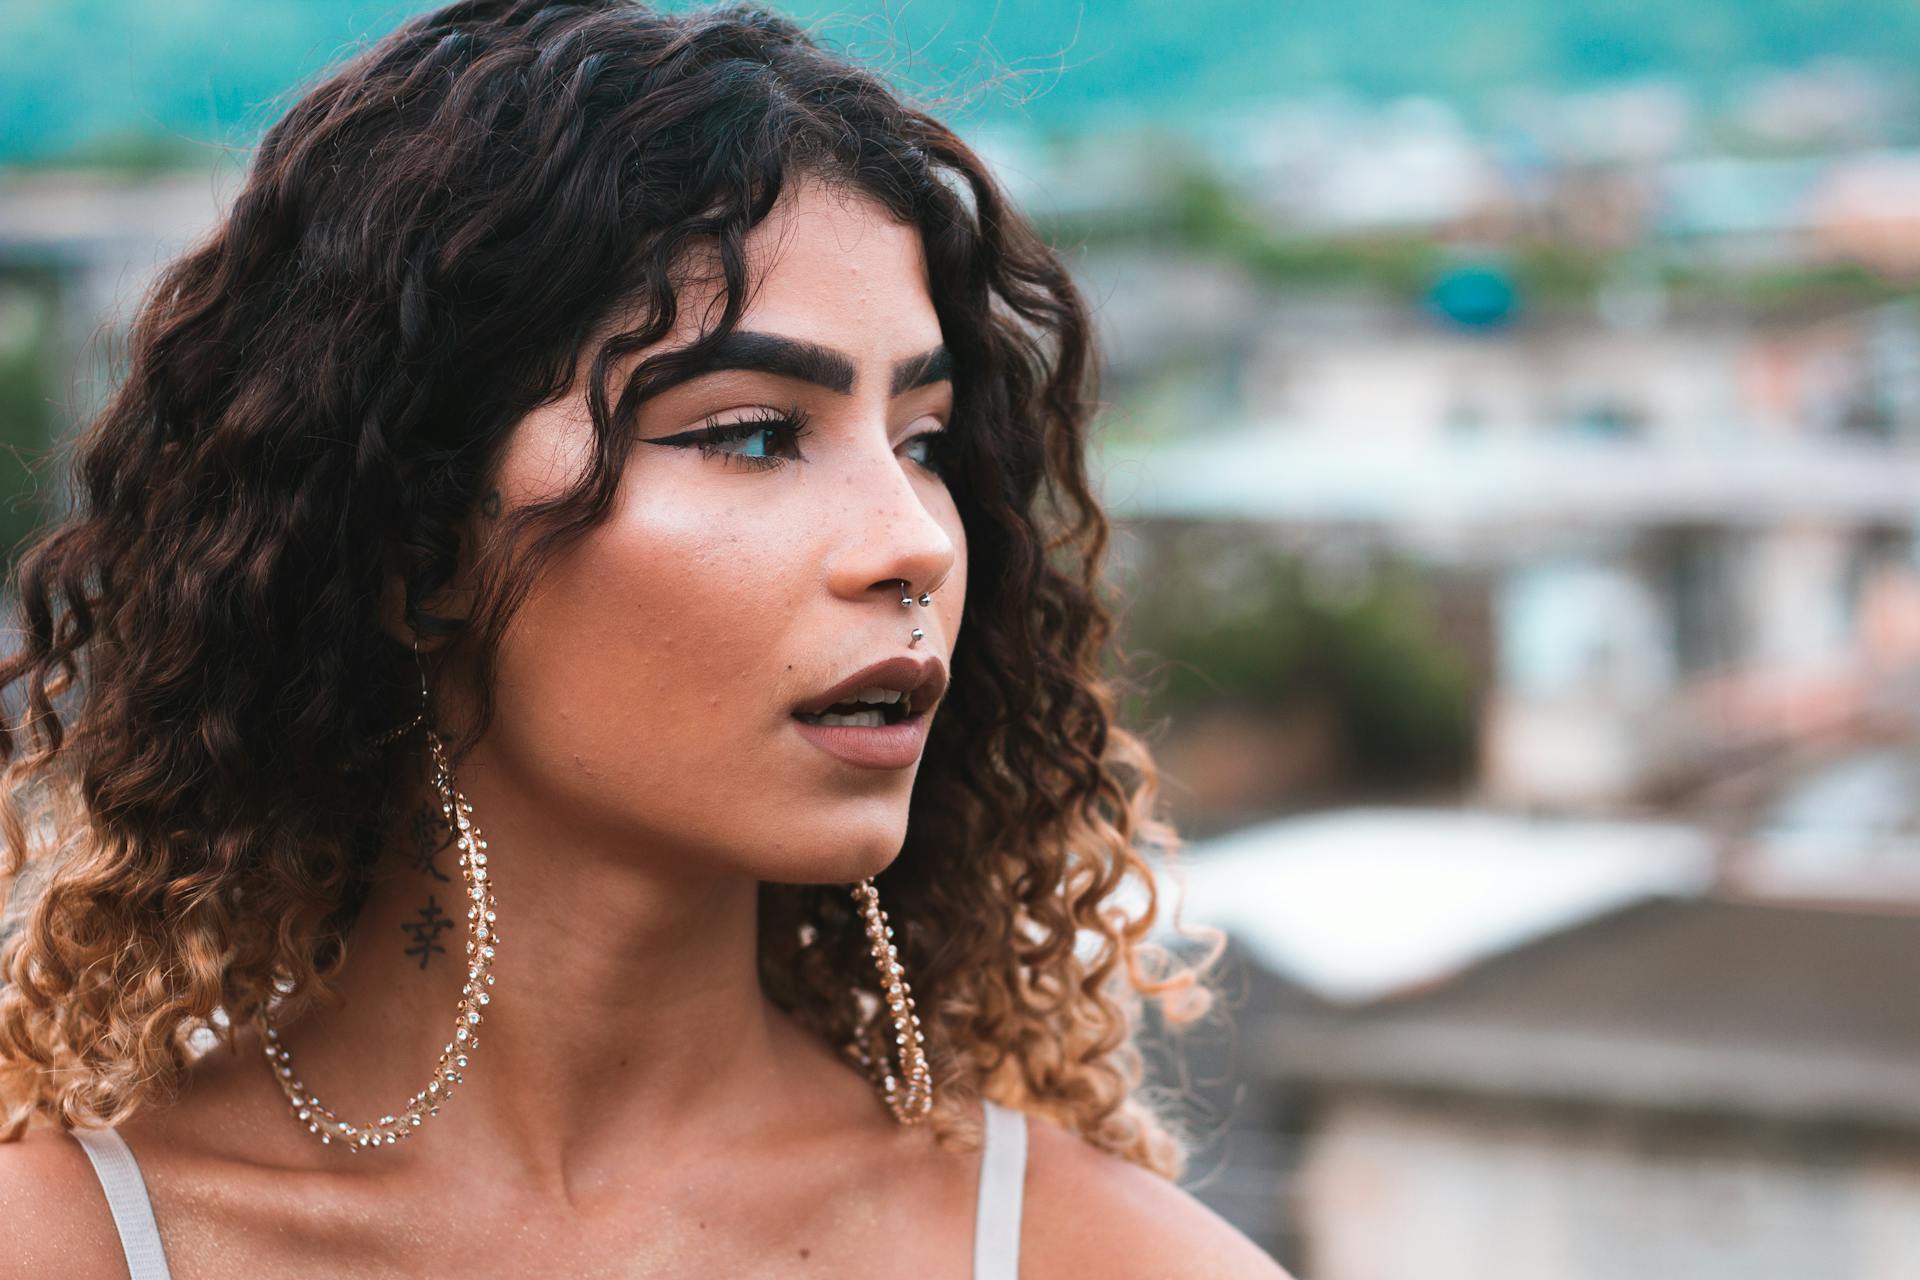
(57, 1218)
(1088, 1212)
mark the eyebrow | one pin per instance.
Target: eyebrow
(810, 362)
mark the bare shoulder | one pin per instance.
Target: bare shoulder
(58, 1223)
(1088, 1212)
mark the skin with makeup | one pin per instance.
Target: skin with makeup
(639, 1107)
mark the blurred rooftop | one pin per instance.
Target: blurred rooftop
(1359, 904)
(1789, 1012)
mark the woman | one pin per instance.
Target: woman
(580, 410)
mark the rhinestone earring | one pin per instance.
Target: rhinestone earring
(912, 1101)
(909, 1102)
(483, 937)
(906, 598)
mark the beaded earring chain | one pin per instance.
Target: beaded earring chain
(483, 937)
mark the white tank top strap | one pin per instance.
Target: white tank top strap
(127, 1197)
(996, 1237)
(1003, 1175)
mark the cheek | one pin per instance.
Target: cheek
(637, 670)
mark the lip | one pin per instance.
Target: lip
(889, 746)
(924, 679)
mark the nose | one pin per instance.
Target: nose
(894, 531)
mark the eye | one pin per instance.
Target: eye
(936, 451)
(768, 431)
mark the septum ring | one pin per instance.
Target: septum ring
(906, 598)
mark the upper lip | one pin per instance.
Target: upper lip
(923, 680)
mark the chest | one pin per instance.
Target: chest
(917, 1221)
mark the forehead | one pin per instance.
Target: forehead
(831, 266)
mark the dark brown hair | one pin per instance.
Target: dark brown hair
(424, 247)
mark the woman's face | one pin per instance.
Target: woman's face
(647, 688)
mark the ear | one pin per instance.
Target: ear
(452, 601)
(393, 597)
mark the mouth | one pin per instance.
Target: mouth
(885, 693)
(872, 717)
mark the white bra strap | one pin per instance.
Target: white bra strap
(1003, 1175)
(127, 1197)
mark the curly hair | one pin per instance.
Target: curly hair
(424, 245)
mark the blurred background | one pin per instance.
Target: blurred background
(1513, 431)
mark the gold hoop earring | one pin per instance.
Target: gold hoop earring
(910, 1102)
(483, 938)
(419, 717)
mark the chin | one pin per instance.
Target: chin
(841, 864)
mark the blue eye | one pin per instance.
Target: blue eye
(938, 446)
(783, 426)
(772, 437)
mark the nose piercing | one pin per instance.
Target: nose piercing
(906, 598)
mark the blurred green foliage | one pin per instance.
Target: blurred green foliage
(136, 153)
(28, 417)
(1198, 211)
(1216, 618)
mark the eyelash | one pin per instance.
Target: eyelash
(791, 424)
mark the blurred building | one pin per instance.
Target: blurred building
(1693, 1088)
(1697, 529)
(100, 237)
(1496, 1046)
(1866, 209)
(1333, 912)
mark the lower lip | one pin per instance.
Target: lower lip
(887, 746)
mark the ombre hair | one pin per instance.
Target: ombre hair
(432, 242)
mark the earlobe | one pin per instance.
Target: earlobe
(393, 599)
(393, 606)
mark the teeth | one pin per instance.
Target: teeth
(884, 704)
(863, 719)
(874, 696)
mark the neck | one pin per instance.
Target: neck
(626, 999)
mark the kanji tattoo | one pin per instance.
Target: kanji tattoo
(426, 931)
